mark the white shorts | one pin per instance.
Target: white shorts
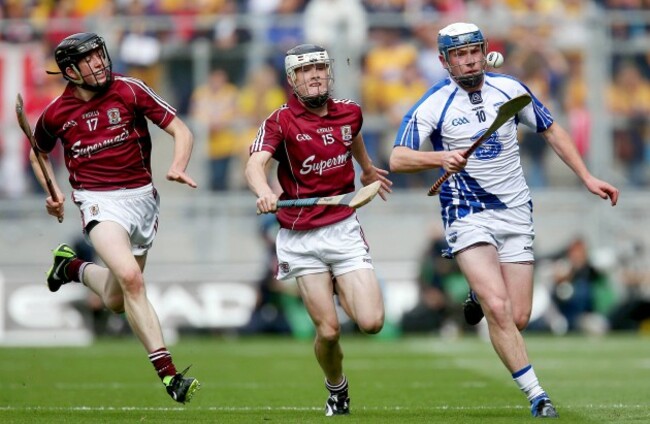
(509, 230)
(336, 248)
(134, 209)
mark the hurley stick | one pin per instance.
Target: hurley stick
(24, 125)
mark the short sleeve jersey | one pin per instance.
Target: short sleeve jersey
(314, 158)
(106, 140)
(451, 119)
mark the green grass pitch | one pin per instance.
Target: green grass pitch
(260, 380)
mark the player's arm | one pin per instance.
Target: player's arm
(183, 142)
(53, 208)
(258, 182)
(45, 142)
(565, 148)
(369, 172)
(407, 160)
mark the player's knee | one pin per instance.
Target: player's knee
(132, 282)
(521, 320)
(329, 333)
(371, 325)
(498, 308)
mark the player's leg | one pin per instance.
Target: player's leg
(317, 295)
(480, 265)
(113, 246)
(519, 283)
(361, 298)
(312, 257)
(67, 268)
(358, 290)
(347, 253)
(100, 280)
(515, 234)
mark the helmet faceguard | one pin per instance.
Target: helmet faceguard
(458, 36)
(77, 47)
(307, 55)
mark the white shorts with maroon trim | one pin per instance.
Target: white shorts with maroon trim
(134, 209)
(509, 230)
(338, 248)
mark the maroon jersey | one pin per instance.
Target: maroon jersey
(314, 158)
(106, 141)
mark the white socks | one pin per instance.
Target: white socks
(527, 381)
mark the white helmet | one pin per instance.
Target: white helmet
(458, 35)
(308, 54)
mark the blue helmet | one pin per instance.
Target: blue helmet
(459, 35)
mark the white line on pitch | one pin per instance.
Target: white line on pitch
(302, 408)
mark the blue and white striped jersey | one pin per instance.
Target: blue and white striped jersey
(451, 118)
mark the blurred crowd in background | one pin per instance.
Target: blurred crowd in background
(220, 63)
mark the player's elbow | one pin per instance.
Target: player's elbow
(392, 164)
(397, 162)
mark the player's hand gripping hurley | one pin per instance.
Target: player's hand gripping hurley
(24, 125)
(506, 112)
(353, 200)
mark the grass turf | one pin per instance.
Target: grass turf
(255, 380)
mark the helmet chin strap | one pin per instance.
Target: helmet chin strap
(470, 82)
(315, 101)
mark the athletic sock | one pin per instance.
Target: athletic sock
(336, 389)
(72, 270)
(80, 274)
(162, 362)
(527, 381)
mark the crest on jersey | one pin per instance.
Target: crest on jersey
(284, 267)
(346, 132)
(490, 147)
(114, 116)
(475, 98)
